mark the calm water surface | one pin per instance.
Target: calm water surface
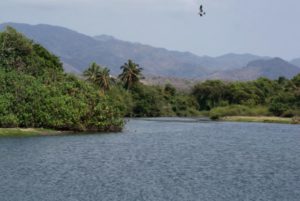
(155, 160)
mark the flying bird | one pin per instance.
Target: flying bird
(201, 11)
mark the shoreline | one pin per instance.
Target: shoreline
(30, 132)
(22, 132)
(261, 119)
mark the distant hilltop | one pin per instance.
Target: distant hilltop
(270, 68)
(77, 51)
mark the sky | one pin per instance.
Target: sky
(262, 27)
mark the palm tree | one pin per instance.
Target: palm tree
(99, 76)
(131, 74)
(103, 79)
(92, 72)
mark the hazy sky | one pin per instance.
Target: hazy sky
(264, 27)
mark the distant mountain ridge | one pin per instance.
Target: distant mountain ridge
(270, 68)
(77, 51)
(296, 62)
(229, 61)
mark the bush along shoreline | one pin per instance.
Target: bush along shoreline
(258, 98)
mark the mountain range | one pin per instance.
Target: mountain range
(296, 62)
(78, 50)
(270, 68)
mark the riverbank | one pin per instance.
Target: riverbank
(261, 119)
(24, 132)
(21, 132)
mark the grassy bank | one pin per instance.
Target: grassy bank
(15, 132)
(262, 119)
(241, 113)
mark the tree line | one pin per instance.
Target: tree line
(263, 96)
(35, 92)
(135, 99)
(215, 98)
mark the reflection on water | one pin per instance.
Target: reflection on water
(156, 159)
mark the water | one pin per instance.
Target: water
(161, 159)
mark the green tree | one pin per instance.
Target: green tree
(210, 94)
(19, 53)
(170, 89)
(296, 80)
(98, 75)
(103, 79)
(149, 102)
(92, 72)
(131, 74)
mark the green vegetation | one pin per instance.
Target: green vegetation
(262, 119)
(99, 76)
(262, 97)
(35, 92)
(238, 110)
(151, 101)
(155, 101)
(131, 74)
(22, 132)
(134, 99)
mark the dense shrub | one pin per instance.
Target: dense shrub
(281, 97)
(147, 101)
(9, 121)
(35, 92)
(122, 99)
(238, 110)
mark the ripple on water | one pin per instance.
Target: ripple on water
(156, 159)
